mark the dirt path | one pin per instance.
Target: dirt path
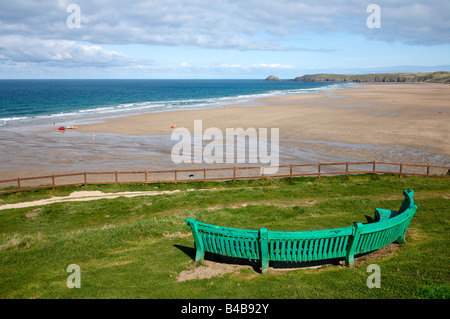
(85, 196)
(80, 196)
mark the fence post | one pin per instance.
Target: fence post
(346, 168)
(18, 184)
(116, 177)
(175, 174)
(401, 169)
(204, 174)
(262, 172)
(234, 174)
(146, 180)
(374, 170)
(428, 170)
(290, 170)
(53, 181)
(85, 179)
(318, 170)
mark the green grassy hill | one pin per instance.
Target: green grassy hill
(431, 77)
(140, 247)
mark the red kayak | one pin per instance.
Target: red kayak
(62, 128)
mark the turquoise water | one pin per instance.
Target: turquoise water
(25, 101)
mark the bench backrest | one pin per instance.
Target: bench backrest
(302, 245)
(377, 235)
(226, 241)
(308, 245)
(282, 245)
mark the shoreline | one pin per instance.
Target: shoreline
(73, 112)
(373, 114)
(398, 122)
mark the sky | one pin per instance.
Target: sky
(220, 39)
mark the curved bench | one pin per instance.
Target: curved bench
(265, 245)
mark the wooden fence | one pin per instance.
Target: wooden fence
(224, 173)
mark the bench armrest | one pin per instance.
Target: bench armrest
(408, 201)
(384, 214)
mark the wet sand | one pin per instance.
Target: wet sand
(392, 115)
(406, 123)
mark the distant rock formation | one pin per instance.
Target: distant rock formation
(432, 77)
(272, 78)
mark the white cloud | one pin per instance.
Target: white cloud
(35, 32)
(276, 66)
(63, 52)
(258, 66)
(225, 24)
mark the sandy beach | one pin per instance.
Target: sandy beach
(408, 115)
(406, 123)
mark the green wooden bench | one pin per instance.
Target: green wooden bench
(265, 245)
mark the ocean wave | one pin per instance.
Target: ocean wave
(6, 119)
(164, 105)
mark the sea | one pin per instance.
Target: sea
(29, 102)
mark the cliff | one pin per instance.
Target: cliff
(431, 77)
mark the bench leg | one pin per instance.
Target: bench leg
(199, 254)
(401, 239)
(264, 266)
(353, 242)
(349, 260)
(264, 249)
(199, 249)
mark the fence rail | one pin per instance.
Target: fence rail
(201, 174)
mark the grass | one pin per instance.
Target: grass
(129, 248)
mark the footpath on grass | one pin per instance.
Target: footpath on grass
(81, 196)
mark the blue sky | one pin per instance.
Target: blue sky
(219, 38)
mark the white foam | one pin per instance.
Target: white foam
(6, 119)
(168, 105)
